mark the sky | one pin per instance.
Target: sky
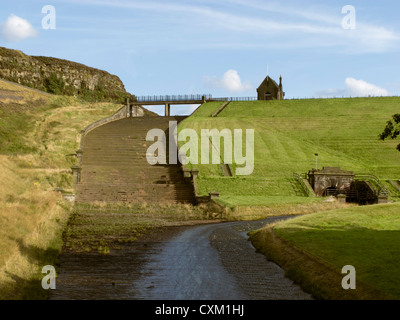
(220, 47)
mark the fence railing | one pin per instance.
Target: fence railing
(209, 97)
(300, 179)
(232, 99)
(186, 97)
(374, 180)
(191, 97)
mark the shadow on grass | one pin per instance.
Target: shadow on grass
(26, 289)
(31, 288)
(35, 254)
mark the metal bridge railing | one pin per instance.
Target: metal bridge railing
(187, 97)
(232, 99)
(191, 97)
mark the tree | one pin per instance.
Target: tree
(392, 129)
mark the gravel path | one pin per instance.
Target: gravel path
(207, 262)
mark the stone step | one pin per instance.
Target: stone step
(115, 168)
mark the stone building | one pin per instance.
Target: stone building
(270, 90)
(330, 181)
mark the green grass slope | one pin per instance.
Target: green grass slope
(366, 238)
(344, 132)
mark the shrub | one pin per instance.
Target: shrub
(55, 85)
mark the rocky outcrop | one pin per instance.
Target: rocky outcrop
(59, 76)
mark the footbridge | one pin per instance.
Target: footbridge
(167, 100)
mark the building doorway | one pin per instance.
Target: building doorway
(268, 96)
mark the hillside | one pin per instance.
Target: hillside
(39, 133)
(62, 77)
(344, 132)
(314, 248)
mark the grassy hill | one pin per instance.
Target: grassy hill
(38, 133)
(317, 246)
(344, 132)
(313, 248)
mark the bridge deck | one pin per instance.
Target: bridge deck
(167, 101)
(184, 99)
(164, 102)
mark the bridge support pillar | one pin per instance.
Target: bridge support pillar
(167, 109)
(128, 108)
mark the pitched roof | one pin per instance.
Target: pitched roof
(267, 79)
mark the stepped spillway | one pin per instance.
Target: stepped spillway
(115, 168)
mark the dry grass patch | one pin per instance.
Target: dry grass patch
(32, 220)
(38, 135)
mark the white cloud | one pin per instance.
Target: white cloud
(230, 81)
(355, 88)
(17, 29)
(361, 88)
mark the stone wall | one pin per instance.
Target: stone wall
(330, 177)
(124, 112)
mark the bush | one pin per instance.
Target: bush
(55, 85)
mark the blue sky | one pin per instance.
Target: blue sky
(219, 47)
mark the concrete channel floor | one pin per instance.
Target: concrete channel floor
(214, 262)
(206, 262)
